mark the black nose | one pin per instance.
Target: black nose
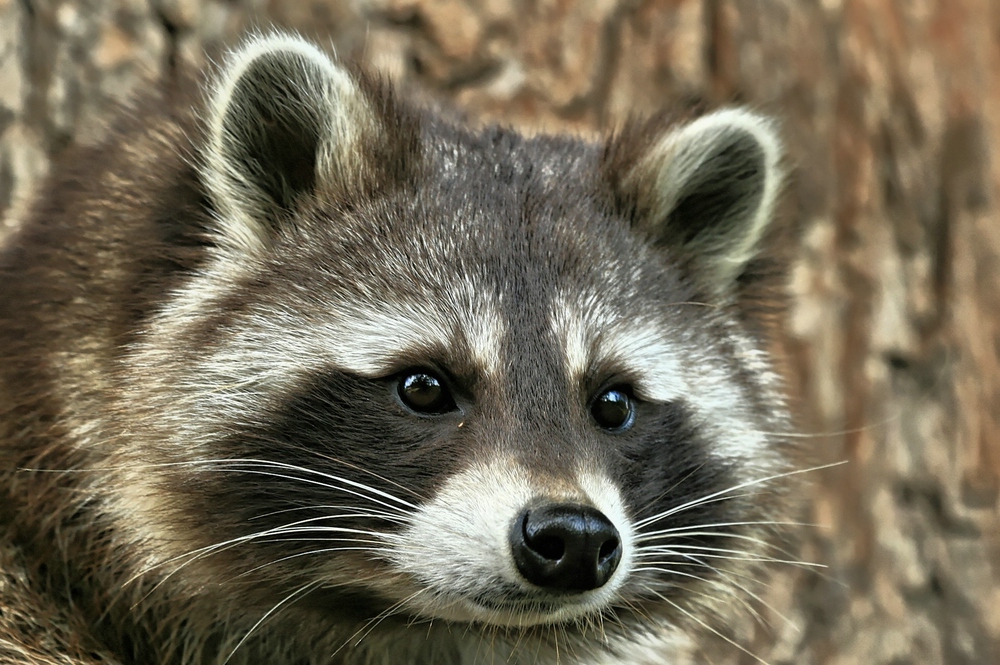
(569, 547)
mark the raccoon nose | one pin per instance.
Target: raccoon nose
(567, 547)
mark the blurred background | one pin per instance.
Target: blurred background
(891, 115)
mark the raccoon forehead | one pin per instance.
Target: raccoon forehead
(594, 336)
(282, 332)
(372, 339)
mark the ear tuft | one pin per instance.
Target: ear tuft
(708, 189)
(283, 121)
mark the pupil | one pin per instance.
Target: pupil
(612, 410)
(424, 393)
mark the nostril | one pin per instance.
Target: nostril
(608, 549)
(550, 546)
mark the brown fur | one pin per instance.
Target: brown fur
(121, 225)
(60, 327)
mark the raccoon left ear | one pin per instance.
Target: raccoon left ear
(706, 188)
(284, 121)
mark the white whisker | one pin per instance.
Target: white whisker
(651, 535)
(750, 483)
(708, 627)
(324, 550)
(295, 594)
(744, 589)
(284, 530)
(359, 512)
(736, 536)
(368, 627)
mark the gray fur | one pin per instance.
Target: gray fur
(202, 355)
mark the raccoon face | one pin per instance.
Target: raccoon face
(438, 373)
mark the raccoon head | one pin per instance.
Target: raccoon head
(433, 372)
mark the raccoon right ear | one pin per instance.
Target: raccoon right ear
(705, 190)
(284, 121)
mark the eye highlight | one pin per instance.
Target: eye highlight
(424, 393)
(613, 409)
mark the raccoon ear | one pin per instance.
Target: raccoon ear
(284, 121)
(709, 188)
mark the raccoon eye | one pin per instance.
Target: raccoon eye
(425, 393)
(613, 409)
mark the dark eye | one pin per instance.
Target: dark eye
(425, 393)
(613, 409)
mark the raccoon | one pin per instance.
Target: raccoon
(296, 371)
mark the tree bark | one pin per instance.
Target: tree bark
(890, 112)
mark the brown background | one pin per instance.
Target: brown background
(891, 115)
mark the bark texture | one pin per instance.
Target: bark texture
(891, 113)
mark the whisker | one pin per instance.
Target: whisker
(373, 622)
(842, 432)
(767, 545)
(287, 529)
(360, 512)
(734, 488)
(720, 585)
(718, 534)
(670, 489)
(714, 584)
(746, 591)
(362, 469)
(650, 535)
(297, 593)
(253, 462)
(223, 466)
(751, 558)
(324, 550)
(748, 559)
(713, 630)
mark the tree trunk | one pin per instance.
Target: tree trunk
(890, 114)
